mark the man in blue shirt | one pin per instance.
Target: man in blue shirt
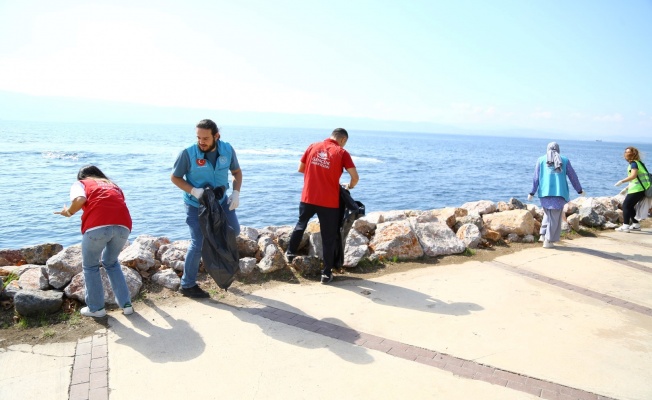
(205, 164)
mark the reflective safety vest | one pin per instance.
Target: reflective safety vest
(644, 176)
(552, 183)
(203, 174)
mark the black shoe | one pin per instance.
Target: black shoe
(194, 292)
(326, 278)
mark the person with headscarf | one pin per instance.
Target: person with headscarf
(551, 186)
(639, 180)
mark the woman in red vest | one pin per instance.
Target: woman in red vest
(105, 226)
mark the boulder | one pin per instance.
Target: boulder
(11, 257)
(37, 302)
(356, 248)
(173, 255)
(273, 258)
(481, 207)
(141, 254)
(448, 215)
(40, 254)
(589, 217)
(77, 290)
(436, 238)
(247, 266)
(519, 222)
(396, 240)
(470, 235)
(64, 265)
(167, 278)
(35, 277)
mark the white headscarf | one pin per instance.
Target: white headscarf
(553, 157)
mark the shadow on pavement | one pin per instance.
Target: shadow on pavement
(305, 339)
(158, 339)
(396, 296)
(630, 257)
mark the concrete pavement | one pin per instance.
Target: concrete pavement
(573, 322)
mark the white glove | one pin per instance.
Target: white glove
(529, 197)
(618, 183)
(197, 192)
(624, 191)
(234, 200)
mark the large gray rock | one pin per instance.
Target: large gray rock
(247, 266)
(35, 277)
(273, 258)
(247, 242)
(307, 266)
(589, 217)
(481, 207)
(141, 254)
(437, 238)
(64, 265)
(77, 290)
(448, 215)
(36, 302)
(356, 248)
(470, 235)
(40, 254)
(167, 278)
(11, 257)
(396, 240)
(173, 255)
(519, 222)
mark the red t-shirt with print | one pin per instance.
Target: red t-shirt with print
(324, 163)
(105, 205)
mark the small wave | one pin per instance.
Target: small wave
(61, 155)
(370, 160)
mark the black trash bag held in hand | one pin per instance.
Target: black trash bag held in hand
(350, 210)
(219, 249)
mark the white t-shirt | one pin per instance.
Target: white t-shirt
(77, 190)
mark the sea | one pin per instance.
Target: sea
(398, 171)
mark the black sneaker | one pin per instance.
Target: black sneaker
(194, 292)
(289, 257)
(326, 279)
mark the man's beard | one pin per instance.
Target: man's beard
(213, 146)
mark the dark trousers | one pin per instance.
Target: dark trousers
(329, 225)
(629, 212)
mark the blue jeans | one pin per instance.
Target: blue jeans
(106, 242)
(191, 264)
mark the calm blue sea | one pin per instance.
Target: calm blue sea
(39, 162)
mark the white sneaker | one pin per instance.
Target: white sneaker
(128, 309)
(86, 312)
(541, 238)
(547, 245)
(635, 227)
(624, 228)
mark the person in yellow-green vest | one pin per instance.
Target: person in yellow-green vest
(639, 180)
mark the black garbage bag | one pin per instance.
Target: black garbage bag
(350, 210)
(219, 249)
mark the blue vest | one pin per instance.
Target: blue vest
(553, 183)
(202, 173)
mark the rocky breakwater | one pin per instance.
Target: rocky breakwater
(43, 278)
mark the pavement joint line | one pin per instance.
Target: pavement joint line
(614, 301)
(456, 365)
(90, 371)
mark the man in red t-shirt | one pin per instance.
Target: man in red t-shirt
(322, 165)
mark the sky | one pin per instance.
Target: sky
(582, 67)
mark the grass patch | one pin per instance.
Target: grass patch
(8, 279)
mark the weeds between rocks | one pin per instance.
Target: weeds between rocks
(68, 325)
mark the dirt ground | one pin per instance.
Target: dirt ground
(68, 325)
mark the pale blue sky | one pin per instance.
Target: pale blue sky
(581, 67)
